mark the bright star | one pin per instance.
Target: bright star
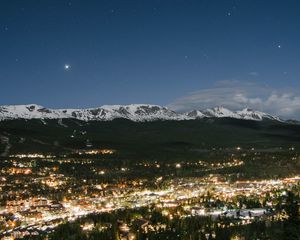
(67, 67)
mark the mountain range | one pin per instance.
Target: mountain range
(141, 130)
(133, 112)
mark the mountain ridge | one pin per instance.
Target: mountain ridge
(134, 112)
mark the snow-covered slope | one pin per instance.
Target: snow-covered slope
(134, 112)
(255, 115)
(31, 111)
(221, 112)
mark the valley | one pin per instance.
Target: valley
(225, 173)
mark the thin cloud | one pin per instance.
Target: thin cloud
(237, 95)
(254, 74)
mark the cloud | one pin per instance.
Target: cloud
(237, 95)
(254, 74)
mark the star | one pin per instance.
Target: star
(67, 67)
(279, 46)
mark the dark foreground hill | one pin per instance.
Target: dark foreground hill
(145, 138)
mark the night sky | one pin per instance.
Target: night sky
(86, 53)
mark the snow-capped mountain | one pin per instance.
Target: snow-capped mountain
(220, 112)
(247, 114)
(255, 115)
(134, 112)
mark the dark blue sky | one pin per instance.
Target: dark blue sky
(143, 51)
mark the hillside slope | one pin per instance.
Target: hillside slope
(145, 137)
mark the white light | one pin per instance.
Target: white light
(67, 66)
